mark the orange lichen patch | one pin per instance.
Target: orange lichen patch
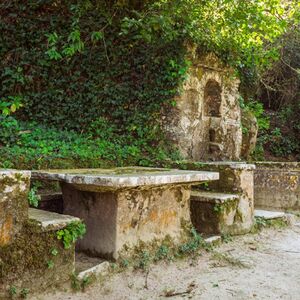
(5, 231)
(162, 219)
(153, 216)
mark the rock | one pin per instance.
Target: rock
(14, 188)
(250, 130)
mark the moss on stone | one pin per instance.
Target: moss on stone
(24, 263)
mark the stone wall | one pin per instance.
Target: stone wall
(277, 185)
(205, 124)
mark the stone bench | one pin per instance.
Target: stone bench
(36, 259)
(235, 178)
(214, 213)
(125, 206)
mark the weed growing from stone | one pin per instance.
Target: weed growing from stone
(81, 284)
(261, 223)
(71, 233)
(165, 251)
(226, 238)
(33, 198)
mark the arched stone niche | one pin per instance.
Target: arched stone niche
(205, 124)
(212, 99)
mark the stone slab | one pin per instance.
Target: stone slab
(125, 177)
(213, 240)
(98, 270)
(50, 221)
(268, 215)
(204, 196)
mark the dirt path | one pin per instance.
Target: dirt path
(261, 266)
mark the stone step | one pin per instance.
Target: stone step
(87, 266)
(269, 215)
(50, 221)
(213, 240)
(212, 197)
(37, 259)
(213, 212)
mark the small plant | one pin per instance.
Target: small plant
(50, 264)
(33, 198)
(125, 263)
(24, 293)
(195, 242)
(219, 208)
(261, 223)
(162, 253)
(54, 251)
(12, 291)
(71, 233)
(75, 282)
(144, 260)
(226, 238)
(86, 281)
(80, 285)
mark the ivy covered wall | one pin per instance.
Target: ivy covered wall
(113, 76)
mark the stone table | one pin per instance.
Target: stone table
(124, 206)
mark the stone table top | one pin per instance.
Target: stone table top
(125, 177)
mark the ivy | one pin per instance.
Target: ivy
(77, 67)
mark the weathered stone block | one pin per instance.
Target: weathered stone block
(277, 185)
(36, 259)
(119, 220)
(250, 132)
(14, 188)
(214, 213)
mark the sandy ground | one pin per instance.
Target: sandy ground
(260, 266)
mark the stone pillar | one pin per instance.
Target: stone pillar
(14, 188)
(118, 220)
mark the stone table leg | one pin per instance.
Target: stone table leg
(118, 220)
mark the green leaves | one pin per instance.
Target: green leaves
(10, 104)
(96, 36)
(71, 233)
(33, 198)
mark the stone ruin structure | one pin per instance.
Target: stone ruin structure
(205, 124)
